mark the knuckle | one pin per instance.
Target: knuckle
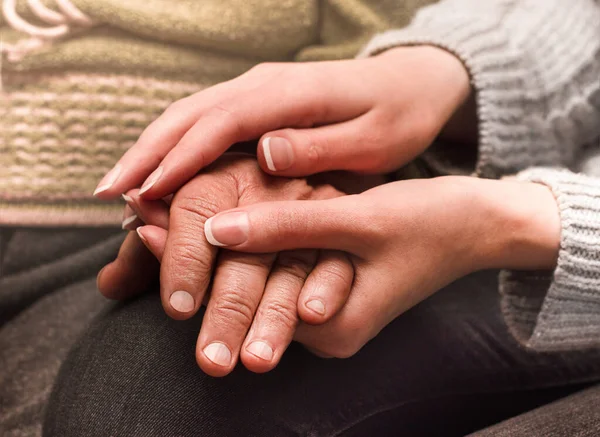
(296, 264)
(280, 312)
(199, 209)
(232, 308)
(175, 108)
(337, 271)
(190, 257)
(314, 153)
(228, 118)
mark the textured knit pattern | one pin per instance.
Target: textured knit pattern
(60, 133)
(72, 106)
(561, 311)
(535, 67)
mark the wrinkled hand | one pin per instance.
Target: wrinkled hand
(406, 239)
(369, 115)
(253, 297)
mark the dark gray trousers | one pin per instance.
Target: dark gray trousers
(447, 367)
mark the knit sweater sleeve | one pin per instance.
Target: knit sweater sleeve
(560, 310)
(534, 66)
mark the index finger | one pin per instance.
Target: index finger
(188, 258)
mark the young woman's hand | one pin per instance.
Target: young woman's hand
(369, 115)
(406, 240)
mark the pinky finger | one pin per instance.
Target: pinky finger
(327, 287)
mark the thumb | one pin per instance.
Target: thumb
(350, 145)
(302, 224)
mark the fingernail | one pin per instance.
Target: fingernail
(279, 154)
(228, 229)
(109, 179)
(152, 179)
(127, 198)
(182, 301)
(316, 305)
(140, 234)
(261, 350)
(127, 221)
(218, 353)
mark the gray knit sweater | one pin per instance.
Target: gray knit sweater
(535, 66)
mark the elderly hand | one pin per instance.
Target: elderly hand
(253, 296)
(406, 239)
(369, 115)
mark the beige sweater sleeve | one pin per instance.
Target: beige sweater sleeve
(535, 68)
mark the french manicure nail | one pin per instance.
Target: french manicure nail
(218, 353)
(316, 306)
(279, 154)
(152, 179)
(227, 229)
(127, 198)
(128, 220)
(182, 301)
(261, 350)
(141, 235)
(108, 180)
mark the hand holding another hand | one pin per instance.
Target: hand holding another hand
(368, 115)
(406, 240)
(251, 295)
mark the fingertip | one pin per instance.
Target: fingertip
(154, 238)
(313, 311)
(211, 361)
(108, 282)
(100, 282)
(266, 154)
(327, 288)
(253, 361)
(276, 154)
(179, 307)
(149, 189)
(140, 232)
(105, 189)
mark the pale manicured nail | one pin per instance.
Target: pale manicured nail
(316, 306)
(261, 350)
(152, 179)
(140, 234)
(218, 353)
(128, 220)
(127, 198)
(109, 179)
(227, 229)
(279, 154)
(182, 301)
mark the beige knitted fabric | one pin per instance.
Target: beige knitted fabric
(535, 66)
(72, 105)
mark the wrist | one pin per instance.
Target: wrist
(447, 76)
(520, 225)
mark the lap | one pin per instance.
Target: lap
(134, 373)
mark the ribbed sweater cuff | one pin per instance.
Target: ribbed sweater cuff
(560, 310)
(507, 49)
